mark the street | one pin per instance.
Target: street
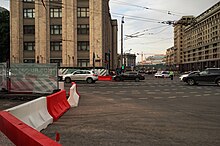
(150, 112)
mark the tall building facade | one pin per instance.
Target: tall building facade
(179, 32)
(73, 33)
(196, 41)
(202, 41)
(170, 58)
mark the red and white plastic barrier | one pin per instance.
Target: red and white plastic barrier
(74, 96)
(22, 123)
(33, 113)
(57, 104)
(105, 78)
(21, 134)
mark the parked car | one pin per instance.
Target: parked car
(81, 75)
(129, 76)
(187, 74)
(210, 75)
(162, 74)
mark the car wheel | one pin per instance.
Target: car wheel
(67, 80)
(89, 80)
(218, 82)
(117, 79)
(137, 79)
(191, 82)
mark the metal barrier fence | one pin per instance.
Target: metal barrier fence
(34, 78)
(3, 78)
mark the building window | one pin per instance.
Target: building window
(83, 62)
(55, 12)
(83, 29)
(55, 46)
(215, 45)
(29, 46)
(58, 61)
(29, 13)
(56, 29)
(83, 46)
(29, 60)
(29, 29)
(82, 12)
(28, 0)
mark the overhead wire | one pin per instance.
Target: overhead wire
(148, 8)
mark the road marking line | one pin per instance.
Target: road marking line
(110, 99)
(150, 92)
(198, 95)
(126, 99)
(166, 92)
(143, 98)
(122, 91)
(119, 93)
(206, 94)
(217, 93)
(172, 97)
(157, 97)
(193, 92)
(185, 96)
(180, 92)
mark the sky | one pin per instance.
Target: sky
(142, 22)
(144, 16)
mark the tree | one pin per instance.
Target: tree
(4, 35)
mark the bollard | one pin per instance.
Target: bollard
(57, 137)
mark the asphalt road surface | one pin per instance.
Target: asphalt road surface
(154, 112)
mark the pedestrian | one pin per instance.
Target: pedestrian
(171, 74)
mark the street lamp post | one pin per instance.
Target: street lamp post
(122, 22)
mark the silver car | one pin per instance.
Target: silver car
(81, 75)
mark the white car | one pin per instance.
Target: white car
(81, 75)
(186, 75)
(162, 74)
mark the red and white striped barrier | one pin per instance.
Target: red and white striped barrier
(21, 124)
(33, 113)
(57, 104)
(74, 96)
(21, 134)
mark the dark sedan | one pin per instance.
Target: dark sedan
(129, 76)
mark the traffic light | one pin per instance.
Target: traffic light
(122, 67)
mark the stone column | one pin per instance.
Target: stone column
(69, 33)
(96, 29)
(16, 31)
(42, 33)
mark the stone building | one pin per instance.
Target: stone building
(73, 33)
(196, 41)
(202, 41)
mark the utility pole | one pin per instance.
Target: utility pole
(122, 55)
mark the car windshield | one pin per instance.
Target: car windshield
(204, 72)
